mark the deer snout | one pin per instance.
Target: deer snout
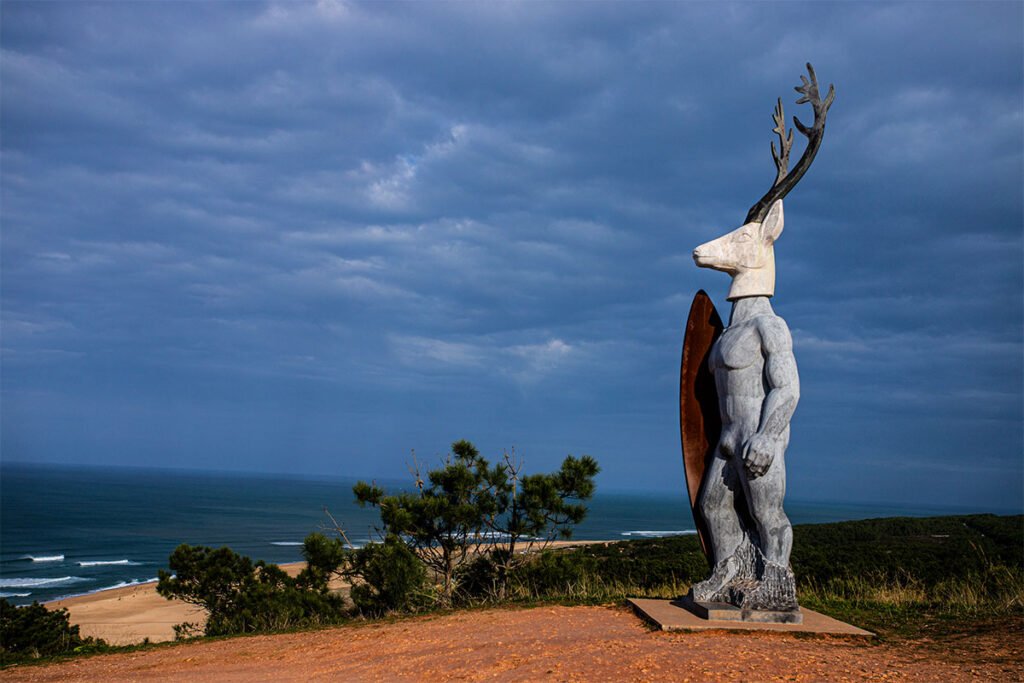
(702, 255)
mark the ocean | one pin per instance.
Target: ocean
(68, 530)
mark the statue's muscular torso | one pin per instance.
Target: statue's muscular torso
(755, 374)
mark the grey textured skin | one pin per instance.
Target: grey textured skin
(743, 488)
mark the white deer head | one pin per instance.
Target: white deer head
(748, 252)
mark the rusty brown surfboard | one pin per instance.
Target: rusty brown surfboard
(699, 421)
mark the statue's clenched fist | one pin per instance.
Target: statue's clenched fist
(758, 454)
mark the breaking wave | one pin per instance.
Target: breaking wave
(125, 584)
(122, 584)
(45, 558)
(36, 583)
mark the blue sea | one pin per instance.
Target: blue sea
(74, 530)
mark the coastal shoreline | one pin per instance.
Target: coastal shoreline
(131, 614)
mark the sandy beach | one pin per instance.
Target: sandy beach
(124, 616)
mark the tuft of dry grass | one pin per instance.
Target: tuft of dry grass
(996, 590)
(999, 589)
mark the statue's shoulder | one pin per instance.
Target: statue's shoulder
(774, 332)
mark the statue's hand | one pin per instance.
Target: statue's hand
(758, 454)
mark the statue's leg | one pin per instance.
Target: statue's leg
(718, 508)
(775, 589)
(717, 505)
(765, 495)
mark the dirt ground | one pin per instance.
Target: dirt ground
(546, 643)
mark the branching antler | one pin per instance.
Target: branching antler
(781, 161)
(784, 182)
(809, 90)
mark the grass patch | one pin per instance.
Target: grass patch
(898, 577)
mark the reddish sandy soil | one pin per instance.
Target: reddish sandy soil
(546, 643)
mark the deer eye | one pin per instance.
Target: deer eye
(743, 237)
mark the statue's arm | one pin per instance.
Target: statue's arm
(780, 401)
(782, 378)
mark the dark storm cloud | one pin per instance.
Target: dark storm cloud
(317, 235)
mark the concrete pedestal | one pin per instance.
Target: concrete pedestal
(722, 611)
(671, 615)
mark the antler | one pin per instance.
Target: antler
(781, 162)
(784, 182)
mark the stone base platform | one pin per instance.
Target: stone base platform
(672, 615)
(721, 611)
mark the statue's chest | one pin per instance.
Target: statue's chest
(738, 347)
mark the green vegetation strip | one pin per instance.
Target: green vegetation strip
(886, 575)
(899, 577)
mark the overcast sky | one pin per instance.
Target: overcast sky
(312, 237)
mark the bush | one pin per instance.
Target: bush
(649, 564)
(555, 574)
(390, 577)
(482, 578)
(446, 515)
(469, 507)
(242, 597)
(325, 558)
(32, 632)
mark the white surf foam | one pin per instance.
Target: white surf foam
(501, 535)
(123, 584)
(46, 558)
(660, 534)
(19, 582)
(103, 563)
(286, 543)
(14, 595)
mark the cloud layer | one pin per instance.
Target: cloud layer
(314, 236)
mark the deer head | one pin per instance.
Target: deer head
(747, 253)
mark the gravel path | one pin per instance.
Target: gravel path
(545, 643)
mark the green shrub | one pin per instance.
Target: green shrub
(648, 564)
(468, 507)
(929, 549)
(555, 574)
(482, 578)
(240, 596)
(32, 632)
(387, 577)
(325, 559)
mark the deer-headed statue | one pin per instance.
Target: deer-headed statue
(740, 470)
(747, 253)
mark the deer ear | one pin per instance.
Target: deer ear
(771, 228)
